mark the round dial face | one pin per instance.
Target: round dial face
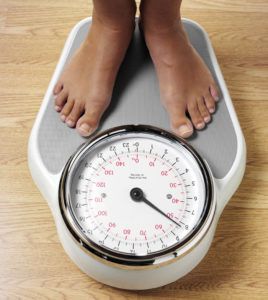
(135, 194)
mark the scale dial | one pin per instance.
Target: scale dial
(135, 193)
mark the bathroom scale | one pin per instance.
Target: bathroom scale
(135, 206)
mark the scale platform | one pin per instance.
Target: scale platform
(136, 100)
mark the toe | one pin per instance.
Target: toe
(214, 91)
(180, 124)
(210, 103)
(88, 123)
(58, 87)
(67, 109)
(196, 117)
(75, 113)
(60, 100)
(203, 110)
(182, 127)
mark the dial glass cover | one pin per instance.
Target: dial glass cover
(135, 193)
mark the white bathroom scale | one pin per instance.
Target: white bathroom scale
(135, 206)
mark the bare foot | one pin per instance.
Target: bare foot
(186, 84)
(84, 89)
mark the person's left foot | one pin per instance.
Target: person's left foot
(185, 82)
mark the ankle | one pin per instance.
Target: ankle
(118, 21)
(152, 27)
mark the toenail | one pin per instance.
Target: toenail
(212, 110)
(184, 129)
(85, 128)
(200, 125)
(217, 98)
(207, 119)
(70, 123)
(63, 118)
(57, 108)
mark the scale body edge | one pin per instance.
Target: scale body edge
(48, 185)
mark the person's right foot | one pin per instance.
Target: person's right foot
(84, 89)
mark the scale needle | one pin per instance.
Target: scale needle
(137, 195)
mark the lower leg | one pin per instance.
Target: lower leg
(84, 89)
(114, 14)
(185, 82)
(159, 15)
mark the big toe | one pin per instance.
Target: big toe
(182, 127)
(88, 123)
(180, 124)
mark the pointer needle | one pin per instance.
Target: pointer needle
(137, 195)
